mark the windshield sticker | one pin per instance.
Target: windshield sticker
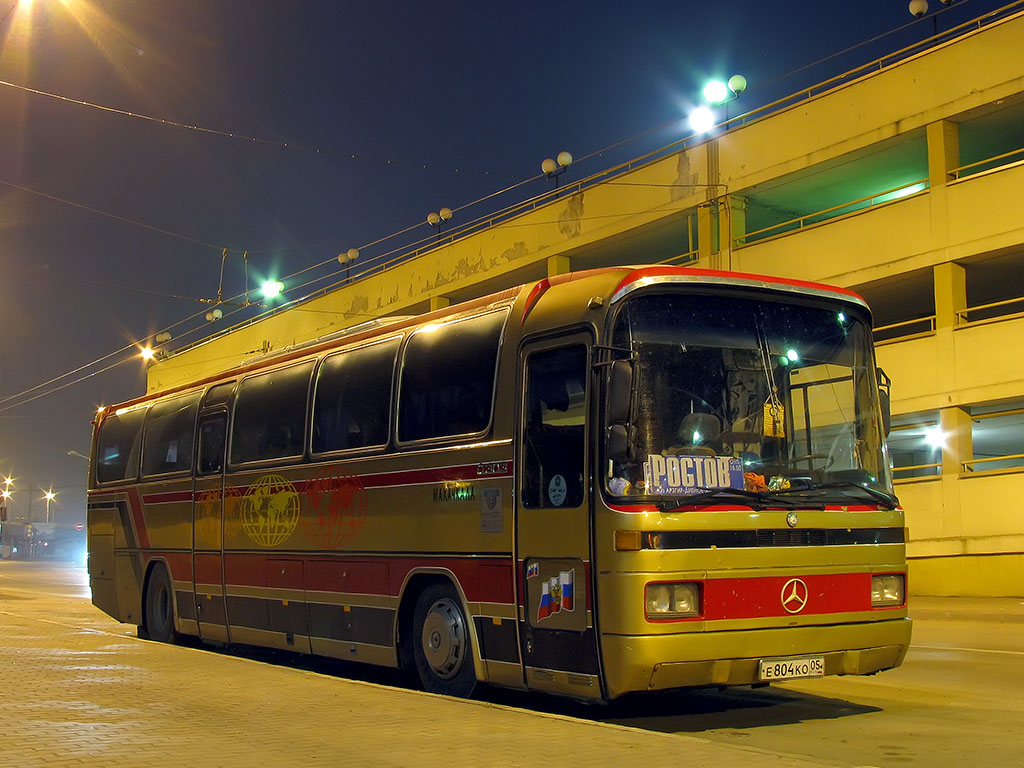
(675, 475)
(557, 491)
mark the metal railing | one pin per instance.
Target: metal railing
(928, 321)
(963, 316)
(870, 201)
(969, 466)
(957, 174)
(915, 467)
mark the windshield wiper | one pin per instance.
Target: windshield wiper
(760, 499)
(887, 499)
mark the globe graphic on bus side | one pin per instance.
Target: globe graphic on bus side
(270, 510)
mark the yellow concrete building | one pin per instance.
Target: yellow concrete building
(903, 180)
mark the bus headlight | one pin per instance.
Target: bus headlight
(888, 589)
(672, 600)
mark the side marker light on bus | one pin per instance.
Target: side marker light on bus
(671, 600)
(628, 541)
(888, 590)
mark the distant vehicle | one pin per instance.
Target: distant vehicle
(619, 480)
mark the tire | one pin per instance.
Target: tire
(159, 609)
(441, 645)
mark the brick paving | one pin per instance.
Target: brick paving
(79, 689)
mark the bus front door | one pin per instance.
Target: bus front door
(208, 530)
(557, 633)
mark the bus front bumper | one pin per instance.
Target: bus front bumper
(659, 662)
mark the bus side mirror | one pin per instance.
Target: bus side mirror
(620, 392)
(884, 385)
(618, 443)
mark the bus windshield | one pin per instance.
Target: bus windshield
(733, 395)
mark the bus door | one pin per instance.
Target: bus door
(208, 529)
(557, 635)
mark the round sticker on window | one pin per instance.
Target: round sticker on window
(557, 490)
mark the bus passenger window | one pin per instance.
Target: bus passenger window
(118, 447)
(554, 439)
(211, 447)
(352, 402)
(447, 385)
(170, 427)
(270, 415)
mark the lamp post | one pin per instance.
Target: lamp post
(49, 496)
(347, 259)
(555, 167)
(436, 220)
(716, 93)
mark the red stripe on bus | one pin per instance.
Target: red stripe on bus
(170, 497)
(138, 519)
(481, 579)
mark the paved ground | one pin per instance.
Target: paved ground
(78, 689)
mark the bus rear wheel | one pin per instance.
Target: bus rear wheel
(159, 607)
(442, 649)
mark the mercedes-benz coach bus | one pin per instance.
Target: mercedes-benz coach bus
(626, 479)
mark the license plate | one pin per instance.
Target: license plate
(794, 667)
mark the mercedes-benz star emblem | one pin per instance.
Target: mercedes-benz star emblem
(794, 595)
(792, 519)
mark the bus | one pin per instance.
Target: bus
(611, 481)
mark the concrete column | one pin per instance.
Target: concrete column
(956, 426)
(732, 223)
(439, 302)
(943, 151)
(943, 155)
(559, 265)
(950, 288)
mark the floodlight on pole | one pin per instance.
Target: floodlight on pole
(702, 120)
(271, 289)
(715, 92)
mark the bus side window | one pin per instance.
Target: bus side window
(211, 446)
(554, 438)
(447, 385)
(353, 398)
(170, 426)
(270, 415)
(118, 446)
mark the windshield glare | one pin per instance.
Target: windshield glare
(747, 393)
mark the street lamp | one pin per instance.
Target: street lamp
(348, 258)
(716, 93)
(437, 219)
(555, 167)
(271, 289)
(49, 496)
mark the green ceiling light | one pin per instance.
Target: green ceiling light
(272, 289)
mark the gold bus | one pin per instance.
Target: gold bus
(619, 480)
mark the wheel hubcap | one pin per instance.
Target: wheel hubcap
(444, 638)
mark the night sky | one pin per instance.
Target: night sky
(366, 115)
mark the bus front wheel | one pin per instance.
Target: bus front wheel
(159, 614)
(441, 645)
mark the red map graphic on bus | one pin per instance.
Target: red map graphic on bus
(337, 508)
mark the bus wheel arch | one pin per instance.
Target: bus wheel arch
(158, 605)
(436, 637)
